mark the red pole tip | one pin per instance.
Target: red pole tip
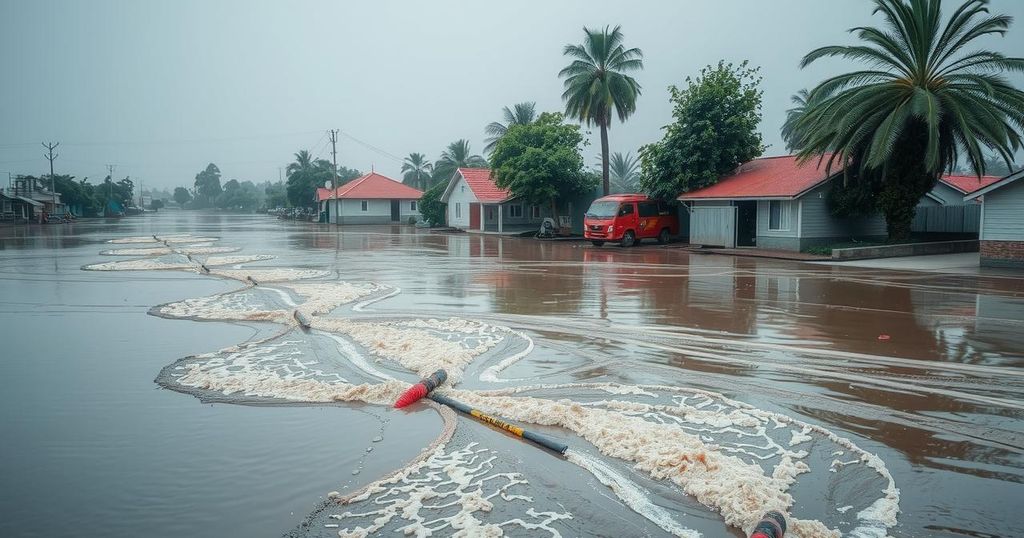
(411, 395)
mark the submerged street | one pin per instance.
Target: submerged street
(693, 390)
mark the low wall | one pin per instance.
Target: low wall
(907, 249)
(1002, 254)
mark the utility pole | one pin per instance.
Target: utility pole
(50, 155)
(334, 180)
(110, 189)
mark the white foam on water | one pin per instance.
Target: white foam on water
(147, 264)
(156, 251)
(281, 274)
(194, 250)
(231, 260)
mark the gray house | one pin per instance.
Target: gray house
(1002, 221)
(773, 203)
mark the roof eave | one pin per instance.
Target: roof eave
(998, 184)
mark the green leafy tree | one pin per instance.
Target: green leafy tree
(596, 83)
(714, 130)
(207, 185)
(541, 162)
(520, 114)
(156, 204)
(923, 101)
(416, 170)
(78, 196)
(276, 195)
(431, 207)
(456, 155)
(182, 196)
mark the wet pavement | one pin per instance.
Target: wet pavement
(922, 370)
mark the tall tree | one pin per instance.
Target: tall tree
(541, 162)
(207, 184)
(714, 130)
(793, 115)
(596, 83)
(623, 171)
(520, 114)
(416, 170)
(456, 155)
(922, 101)
(305, 174)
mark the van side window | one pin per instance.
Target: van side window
(625, 209)
(647, 209)
(664, 209)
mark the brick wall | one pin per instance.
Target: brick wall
(1002, 253)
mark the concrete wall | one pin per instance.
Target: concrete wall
(461, 196)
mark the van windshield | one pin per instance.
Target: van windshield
(602, 209)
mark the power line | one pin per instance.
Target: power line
(372, 147)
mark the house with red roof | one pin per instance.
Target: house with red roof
(474, 202)
(370, 199)
(1002, 221)
(780, 203)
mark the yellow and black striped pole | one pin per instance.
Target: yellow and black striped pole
(541, 440)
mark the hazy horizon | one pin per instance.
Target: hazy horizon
(160, 90)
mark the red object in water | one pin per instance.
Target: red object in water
(411, 395)
(883, 337)
(421, 389)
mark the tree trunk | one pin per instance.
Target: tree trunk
(554, 212)
(906, 182)
(604, 158)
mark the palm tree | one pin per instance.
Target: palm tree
(793, 115)
(623, 171)
(520, 114)
(303, 163)
(923, 102)
(416, 170)
(595, 83)
(456, 155)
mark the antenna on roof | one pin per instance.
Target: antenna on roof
(371, 168)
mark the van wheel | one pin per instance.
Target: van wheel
(663, 236)
(628, 239)
(597, 243)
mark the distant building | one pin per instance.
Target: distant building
(476, 203)
(370, 199)
(1002, 221)
(27, 198)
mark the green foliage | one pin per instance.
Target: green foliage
(596, 83)
(431, 207)
(623, 172)
(182, 196)
(207, 185)
(276, 195)
(520, 114)
(847, 199)
(923, 101)
(541, 162)
(416, 170)
(239, 196)
(79, 196)
(305, 175)
(714, 130)
(156, 205)
(122, 191)
(456, 155)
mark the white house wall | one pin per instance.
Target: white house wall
(461, 196)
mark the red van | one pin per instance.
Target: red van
(629, 218)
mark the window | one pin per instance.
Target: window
(625, 209)
(458, 210)
(535, 211)
(364, 205)
(515, 211)
(648, 209)
(463, 188)
(778, 215)
(412, 205)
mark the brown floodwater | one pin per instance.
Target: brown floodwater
(922, 369)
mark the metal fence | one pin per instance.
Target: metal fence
(948, 219)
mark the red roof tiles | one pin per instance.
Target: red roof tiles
(767, 177)
(482, 185)
(372, 186)
(968, 184)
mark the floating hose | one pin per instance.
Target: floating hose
(414, 393)
(537, 438)
(772, 525)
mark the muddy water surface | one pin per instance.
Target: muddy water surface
(921, 370)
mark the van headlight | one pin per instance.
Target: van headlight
(611, 229)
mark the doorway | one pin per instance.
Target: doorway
(396, 210)
(746, 223)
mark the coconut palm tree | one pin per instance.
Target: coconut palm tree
(596, 83)
(793, 115)
(520, 114)
(623, 171)
(923, 101)
(416, 170)
(303, 163)
(456, 155)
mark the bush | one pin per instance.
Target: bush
(431, 206)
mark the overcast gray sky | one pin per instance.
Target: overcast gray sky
(162, 88)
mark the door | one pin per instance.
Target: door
(474, 216)
(713, 226)
(746, 223)
(650, 221)
(396, 210)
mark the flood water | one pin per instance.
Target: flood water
(112, 427)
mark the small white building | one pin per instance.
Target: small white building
(370, 199)
(1002, 221)
(474, 202)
